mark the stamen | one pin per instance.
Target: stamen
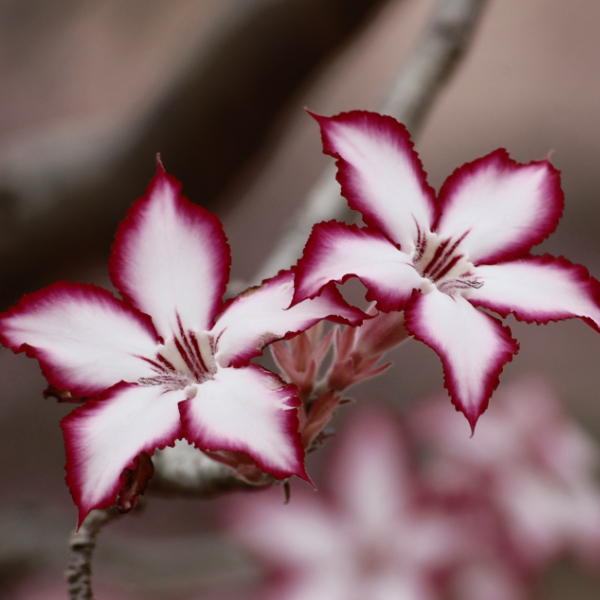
(442, 258)
(461, 284)
(155, 366)
(171, 381)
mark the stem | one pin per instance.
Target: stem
(409, 100)
(435, 59)
(81, 550)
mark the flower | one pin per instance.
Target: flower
(438, 259)
(374, 536)
(154, 379)
(423, 512)
(530, 464)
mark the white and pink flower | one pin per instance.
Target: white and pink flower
(155, 366)
(374, 536)
(439, 258)
(530, 464)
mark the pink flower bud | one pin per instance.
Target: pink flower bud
(380, 334)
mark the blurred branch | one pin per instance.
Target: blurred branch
(69, 192)
(29, 537)
(409, 99)
(81, 546)
(32, 538)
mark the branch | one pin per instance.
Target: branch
(81, 546)
(409, 99)
(61, 192)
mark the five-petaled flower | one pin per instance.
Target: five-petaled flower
(152, 380)
(371, 534)
(440, 258)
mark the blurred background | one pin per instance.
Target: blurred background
(90, 92)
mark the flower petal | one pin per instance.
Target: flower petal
(258, 317)
(380, 173)
(539, 289)
(84, 338)
(371, 478)
(335, 252)
(502, 206)
(247, 410)
(473, 346)
(171, 259)
(304, 533)
(104, 436)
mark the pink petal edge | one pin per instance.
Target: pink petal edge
(196, 279)
(575, 275)
(199, 416)
(56, 373)
(391, 287)
(417, 325)
(241, 312)
(81, 416)
(545, 213)
(388, 215)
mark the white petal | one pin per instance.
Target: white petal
(247, 410)
(303, 533)
(473, 346)
(538, 288)
(85, 339)
(503, 207)
(380, 173)
(171, 259)
(103, 437)
(261, 315)
(336, 251)
(371, 479)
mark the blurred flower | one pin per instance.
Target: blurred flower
(529, 463)
(175, 374)
(440, 258)
(427, 512)
(374, 537)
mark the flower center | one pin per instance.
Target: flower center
(443, 264)
(183, 362)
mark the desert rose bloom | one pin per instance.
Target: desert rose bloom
(438, 259)
(155, 365)
(529, 463)
(374, 537)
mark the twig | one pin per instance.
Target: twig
(63, 192)
(81, 550)
(409, 100)
(435, 59)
